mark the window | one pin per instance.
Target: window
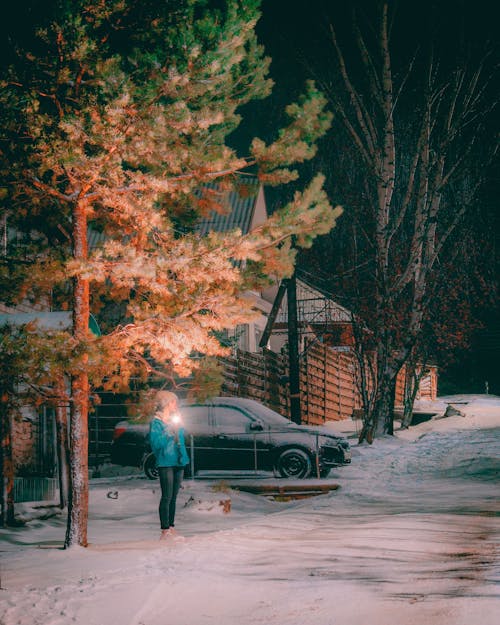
(231, 419)
(195, 417)
(242, 336)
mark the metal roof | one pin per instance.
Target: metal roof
(238, 206)
(237, 211)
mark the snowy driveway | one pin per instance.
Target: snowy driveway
(411, 537)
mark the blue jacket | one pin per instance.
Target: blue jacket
(167, 444)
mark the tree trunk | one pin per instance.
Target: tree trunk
(409, 395)
(385, 404)
(76, 532)
(63, 452)
(365, 366)
(7, 465)
(414, 376)
(380, 420)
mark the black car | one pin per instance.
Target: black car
(236, 434)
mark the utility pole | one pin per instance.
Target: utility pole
(293, 349)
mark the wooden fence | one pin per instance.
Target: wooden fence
(327, 382)
(328, 385)
(261, 376)
(328, 388)
(427, 388)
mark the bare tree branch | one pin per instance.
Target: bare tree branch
(362, 115)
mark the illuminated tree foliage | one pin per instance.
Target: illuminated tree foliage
(115, 116)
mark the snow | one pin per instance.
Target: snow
(60, 320)
(411, 537)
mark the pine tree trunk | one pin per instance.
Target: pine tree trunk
(76, 532)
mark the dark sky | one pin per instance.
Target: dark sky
(295, 30)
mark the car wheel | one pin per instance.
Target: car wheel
(294, 463)
(324, 472)
(150, 468)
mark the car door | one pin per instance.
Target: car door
(199, 433)
(239, 439)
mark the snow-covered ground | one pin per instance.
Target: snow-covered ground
(410, 538)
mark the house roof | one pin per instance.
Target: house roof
(55, 320)
(242, 208)
(95, 238)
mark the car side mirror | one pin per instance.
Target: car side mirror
(256, 426)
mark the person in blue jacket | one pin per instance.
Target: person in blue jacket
(166, 437)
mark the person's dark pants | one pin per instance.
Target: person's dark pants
(170, 482)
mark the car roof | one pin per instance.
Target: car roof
(231, 401)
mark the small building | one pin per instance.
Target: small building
(34, 445)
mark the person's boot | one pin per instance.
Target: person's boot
(165, 534)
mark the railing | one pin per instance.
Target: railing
(35, 489)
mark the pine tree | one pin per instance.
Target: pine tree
(115, 118)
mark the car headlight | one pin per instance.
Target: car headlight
(331, 453)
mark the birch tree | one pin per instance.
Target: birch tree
(114, 118)
(416, 135)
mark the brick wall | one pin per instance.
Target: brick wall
(33, 448)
